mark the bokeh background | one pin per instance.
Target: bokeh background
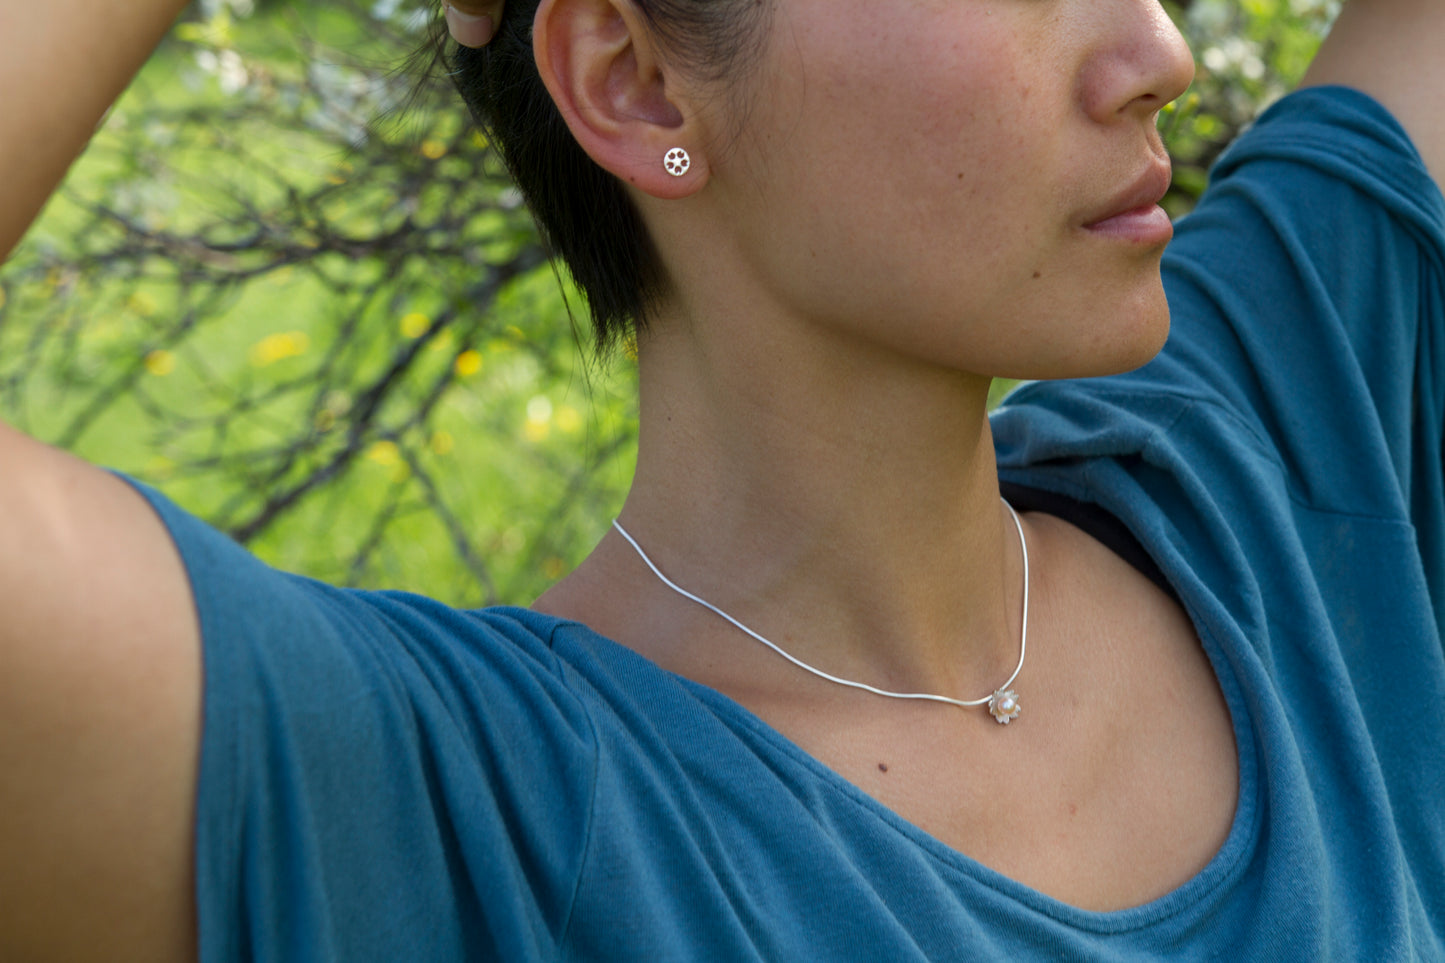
(290, 286)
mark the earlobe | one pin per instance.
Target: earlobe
(602, 68)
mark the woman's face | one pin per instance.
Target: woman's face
(942, 177)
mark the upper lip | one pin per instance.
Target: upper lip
(1146, 190)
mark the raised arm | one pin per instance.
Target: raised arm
(1393, 50)
(62, 64)
(99, 654)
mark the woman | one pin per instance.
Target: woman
(1200, 679)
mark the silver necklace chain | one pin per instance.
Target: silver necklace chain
(1003, 703)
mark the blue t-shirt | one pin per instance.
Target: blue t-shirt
(386, 778)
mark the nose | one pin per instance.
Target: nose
(1140, 63)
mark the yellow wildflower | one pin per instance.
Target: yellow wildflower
(278, 347)
(468, 363)
(160, 362)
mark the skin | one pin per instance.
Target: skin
(962, 174)
(789, 351)
(472, 24)
(814, 453)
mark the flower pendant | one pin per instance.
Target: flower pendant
(1004, 705)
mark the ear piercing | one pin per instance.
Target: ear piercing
(677, 162)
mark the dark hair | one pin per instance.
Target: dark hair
(583, 212)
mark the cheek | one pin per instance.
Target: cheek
(888, 167)
(928, 202)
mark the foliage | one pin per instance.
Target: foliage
(293, 289)
(334, 337)
(1247, 55)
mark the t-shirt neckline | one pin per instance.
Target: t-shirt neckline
(1194, 893)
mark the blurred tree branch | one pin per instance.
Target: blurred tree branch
(335, 336)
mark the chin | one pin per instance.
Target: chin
(1129, 338)
(1138, 351)
(1136, 337)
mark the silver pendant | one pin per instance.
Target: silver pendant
(1004, 706)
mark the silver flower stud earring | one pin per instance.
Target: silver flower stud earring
(677, 162)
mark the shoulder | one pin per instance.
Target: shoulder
(261, 626)
(366, 751)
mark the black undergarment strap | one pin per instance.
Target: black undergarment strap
(1095, 521)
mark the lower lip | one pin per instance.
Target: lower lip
(1146, 225)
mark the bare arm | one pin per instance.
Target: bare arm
(99, 718)
(1393, 50)
(62, 64)
(99, 653)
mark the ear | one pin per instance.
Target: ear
(602, 68)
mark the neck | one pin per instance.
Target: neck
(843, 498)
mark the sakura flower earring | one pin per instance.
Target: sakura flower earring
(677, 162)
